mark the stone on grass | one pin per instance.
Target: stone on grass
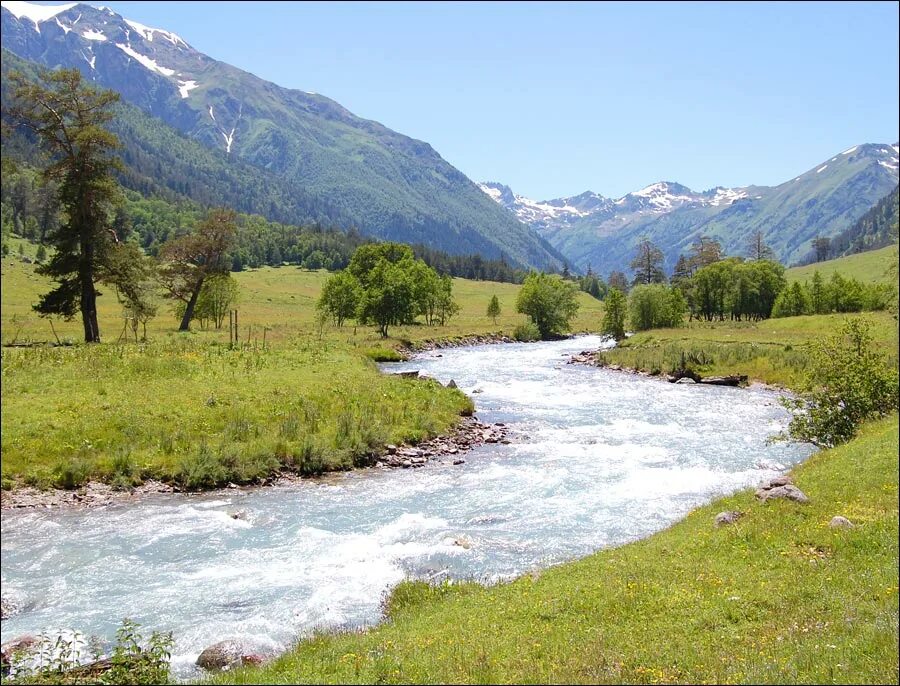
(728, 517)
(839, 522)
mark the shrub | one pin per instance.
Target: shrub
(202, 469)
(527, 332)
(72, 474)
(848, 383)
(655, 306)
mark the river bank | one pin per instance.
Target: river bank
(468, 434)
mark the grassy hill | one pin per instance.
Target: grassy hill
(872, 267)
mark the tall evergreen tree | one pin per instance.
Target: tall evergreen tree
(68, 117)
(647, 264)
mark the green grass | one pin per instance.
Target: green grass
(201, 415)
(778, 597)
(774, 351)
(280, 301)
(188, 409)
(869, 267)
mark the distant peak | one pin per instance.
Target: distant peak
(37, 13)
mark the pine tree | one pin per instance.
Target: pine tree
(647, 264)
(68, 118)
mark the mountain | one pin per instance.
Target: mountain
(389, 185)
(590, 229)
(875, 229)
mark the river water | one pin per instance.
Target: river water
(597, 458)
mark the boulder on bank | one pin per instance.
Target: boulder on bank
(781, 487)
(22, 645)
(452, 384)
(733, 380)
(223, 655)
(729, 517)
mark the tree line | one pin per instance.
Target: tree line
(707, 285)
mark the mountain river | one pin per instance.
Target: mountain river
(597, 458)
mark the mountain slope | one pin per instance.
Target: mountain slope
(390, 185)
(592, 230)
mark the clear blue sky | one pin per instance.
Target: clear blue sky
(554, 99)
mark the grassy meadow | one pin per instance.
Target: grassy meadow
(773, 351)
(187, 409)
(869, 267)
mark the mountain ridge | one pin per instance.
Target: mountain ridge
(391, 186)
(824, 200)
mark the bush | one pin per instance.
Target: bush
(848, 384)
(202, 469)
(72, 474)
(385, 355)
(527, 332)
(655, 306)
(131, 661)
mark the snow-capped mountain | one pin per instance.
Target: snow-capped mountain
(386, 184)
(590, 229)
(548, 213)
(655, 199)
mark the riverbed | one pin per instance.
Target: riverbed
(597, 458)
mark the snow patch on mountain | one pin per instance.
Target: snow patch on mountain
(726, 196)
(65, 28)
(148, 31)
(37, 13)
(849, 150)
(91, 34)
(185, 87)
(821, 169)
(144, 60)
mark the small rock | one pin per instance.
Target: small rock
(783, 480)
(788, 492)
(406, 464)
(239, 514)
(730, 517)
(686, 380)
(7, 608)
(456, 462)
(839, 522)
(452, 384)
(391, 449)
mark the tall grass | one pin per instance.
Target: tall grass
(200, 414)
